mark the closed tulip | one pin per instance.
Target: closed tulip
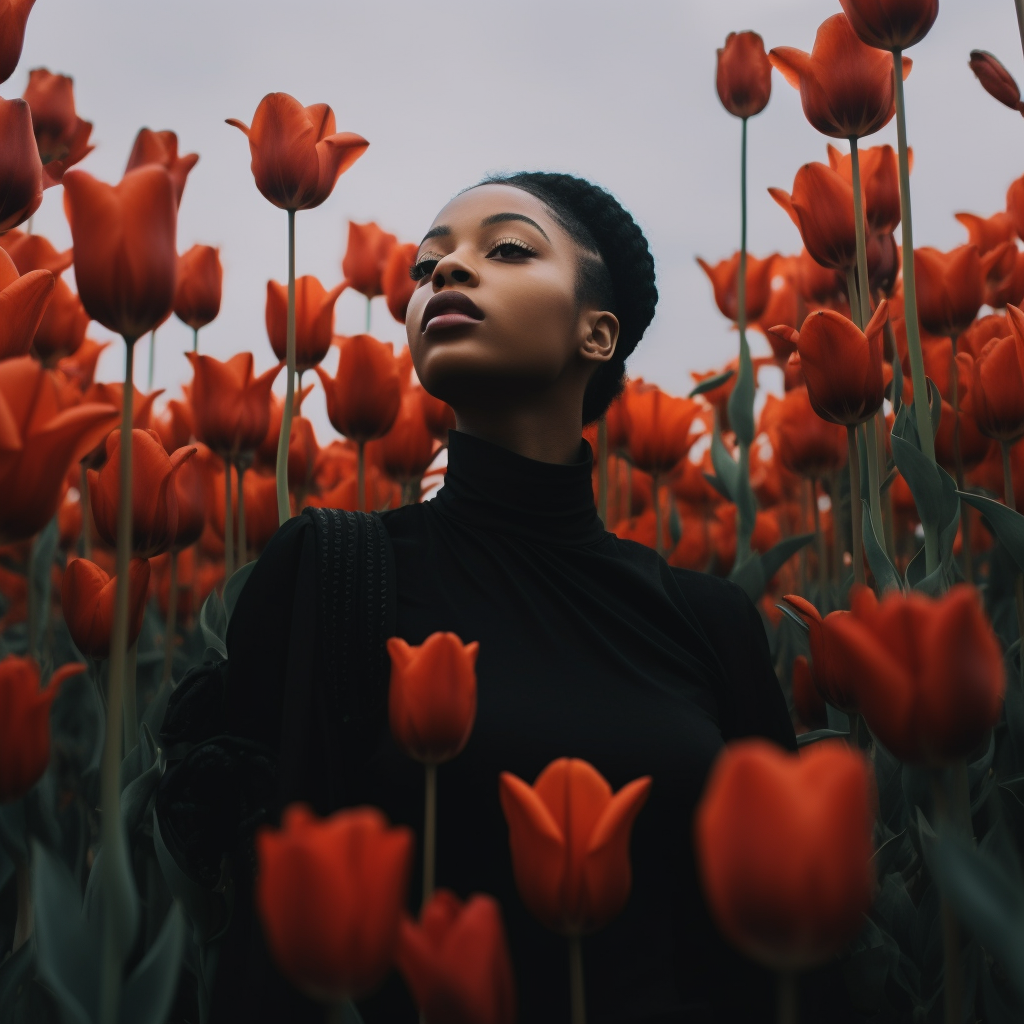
(744, 74)
(365, 394)
(997, 388)
(891, 24)
(828, 668)
(880, 181)
(950, 288)
(996, 80)
(724, 277)
(23, 300)
(456, 963)
(154, 500)
(61, 135)
(39, 440)
(821, 206)
(21, 170)
(409, 447)
(659, 428)
(432, 696)
(366, 258)
(806, 443)
(87, 600)
(297, 157)
(784, 847)
(62, 327)
(13, 16)
(198, 290)
(1004, 276)
(230, 406)
(842, 365)
(160, 149)
(314, 320)
(395, 281)
(25, 723)
(330, 894)
(124, 242)
(569, 837)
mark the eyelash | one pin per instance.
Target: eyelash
(424, 266)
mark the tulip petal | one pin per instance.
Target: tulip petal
(22, 305)
(790, 62)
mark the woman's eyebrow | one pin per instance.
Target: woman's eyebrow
(438, 232)
(498, 218)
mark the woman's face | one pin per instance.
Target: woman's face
(495, 320)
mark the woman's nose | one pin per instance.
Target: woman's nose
(453, 270)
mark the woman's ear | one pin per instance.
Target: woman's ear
(600, 334)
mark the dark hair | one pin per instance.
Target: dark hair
(620, 278)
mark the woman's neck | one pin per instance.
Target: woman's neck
(545, 434)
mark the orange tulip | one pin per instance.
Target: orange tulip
(569, 838)
(744, 74)
(828, 668)
(61, 135)
(891, 24)
(161, 149)
(197, 294)
(62, 328)
(1015, 205)
(154, 500)
(986, 233)
(297, 157)
(408, 448)
(724, 277)
(34, 252)
(260, 493)
(722, 535)
(25, 723)
(39, 440)
(784, 847)
(174, 425)
(456, 961)
(13, 16)
(818, 285)
(981, 332)
(381, 493)
(842, 365)
(124, 242)
(365, 395)
(846, 87)
(996, 80)
(395, 281)
(1003, 268)
(880, 182)
(87, 600)
(659, 428)
(23, 301)
(266, 452)
(302, 454)
(366, 258)
(974, 445)
(231, 407)
(997, 387)
(806, 443)
(21, 170)
(330, 893)
(821, 206)
(80, 367)
(950, 288)
(432, 697)
(809, 704)
(113, 394)
(191, 488)
(314, 320)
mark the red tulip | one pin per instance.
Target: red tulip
(806, 443)
(456, 961)
(231, 407)
(34, 252)
(87, 600)
(113, 394)
(395, 281)
(80, 367)
(1015, 205)
(330, 893)
(724, 277)
(314, 320)
(190, 495)
(818, 285)
(365, 395)
(25, 723)
(408, 448)
(986, 233)
(366, 258)
(39, 441)
(174, 425)
(297, 157)
(950, 288)
(154, 500)
(124, 242)
(997, 387)
(880, 182)
(744, 74)
(61, 135)
(995, 79)
(828, 667)
(21, 170)
(1003, 268)
(197, 294)
(260, 493)
(23, 301)
(13, 16)
(846, 87)
(821, 206)
(62, 328)
(432, 699)
(659, 428)
(842, 365)
(266, 452)
(161, 149)
(381, 493)
(570, 843)
(784, 845)
(974, 445)
(891, 24)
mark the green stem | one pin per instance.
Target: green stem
(241, 516)
(744, 527)
(856, 509)
(874, 496)
(115, 862)
(863, 289)
(195, 339)
(152, 358)
(23, 889)
(1019, 4)
(429, 833)
(788, 998)
(361, 476)
(229, 524)
(917, 374)
(852, 290)
(602, 469)
(958, 467)
(741, 281)
(886, 498)
(577, 991)
(131, 708)
(819, 537)
(369, 313)
(283, 509)
(170, 631)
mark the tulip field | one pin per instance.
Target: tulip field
(869, 510)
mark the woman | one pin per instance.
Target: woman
(532, 290)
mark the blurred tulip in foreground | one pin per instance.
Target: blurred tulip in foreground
(314, 320)
(743, 77)
(395, 281)
(61, 135)
(87, 600)
(62, 328)
(366, 258)
(13, 17)
(23, 300)
(891, 24)
(20, 168)
(659, 428)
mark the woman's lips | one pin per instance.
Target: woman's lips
(443, 321)
(450, 308)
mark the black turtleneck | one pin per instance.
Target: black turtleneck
(590, 647)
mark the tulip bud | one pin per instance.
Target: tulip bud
(62, 136)
(366, 258)
(365, 394)
(996, 80)
(396, 283)
(314, 320)
(724, 277)
(744, 75)
(198, 291)
(87, 600)
(20, 168)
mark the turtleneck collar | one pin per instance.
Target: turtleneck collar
(497, 489)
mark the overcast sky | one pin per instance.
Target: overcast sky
(447, 92)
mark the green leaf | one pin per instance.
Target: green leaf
(1007, 525)
(741, 401)
(148, 994)
(934, 405)
(887, 578)
(805, 739)
(727, 469)
(711, 383)
(139, 759)
(923, 479)
(40, 562)
(16, 972)
(233, 588)
(213, 622)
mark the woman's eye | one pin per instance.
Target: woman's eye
(422, 268)
(510, 249)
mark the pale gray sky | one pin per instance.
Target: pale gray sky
(621, 92)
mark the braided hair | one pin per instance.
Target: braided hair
(616, 269)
